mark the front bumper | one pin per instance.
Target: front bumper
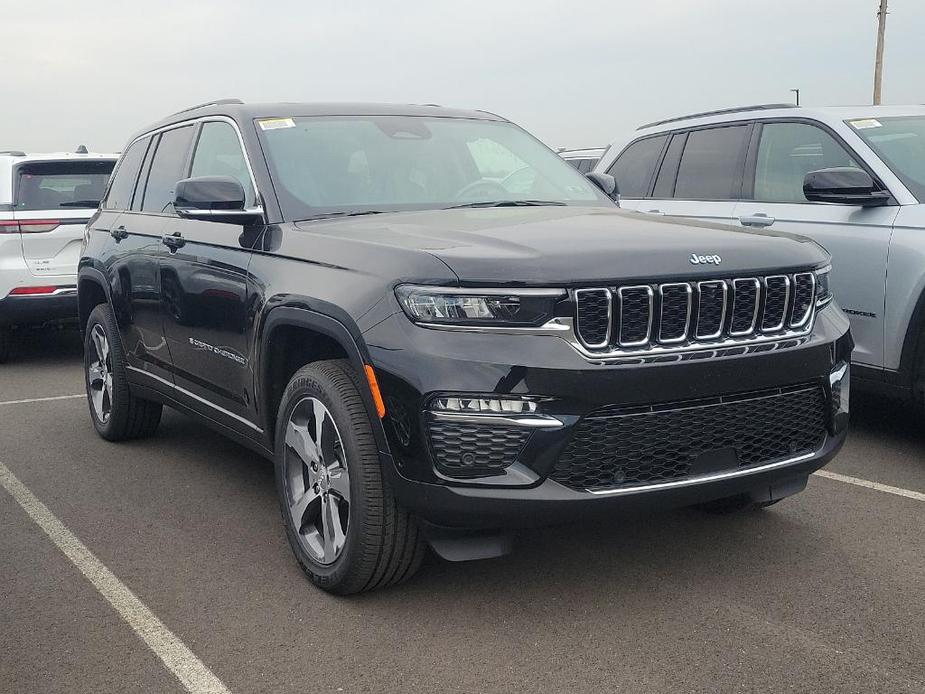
(414, 364)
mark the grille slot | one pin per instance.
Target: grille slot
(611, 449)
(635, 315)
(593, 316)
(611, 320)
(475, 450)
(711, 309)
(804, 292)
(776, 296)
(675, 312)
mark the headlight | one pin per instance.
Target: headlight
(823, 293)
(487, 307)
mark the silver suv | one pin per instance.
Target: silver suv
(45, 202)
(850, 178)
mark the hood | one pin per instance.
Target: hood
(575, 245)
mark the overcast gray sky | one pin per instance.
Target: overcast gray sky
(574, 73)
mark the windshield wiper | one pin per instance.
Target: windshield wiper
(80, 203)
(507, 203)
(329, 215)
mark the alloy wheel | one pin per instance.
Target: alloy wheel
(317, 481)
(99, 374)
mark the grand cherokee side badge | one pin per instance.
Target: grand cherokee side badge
(705, 259)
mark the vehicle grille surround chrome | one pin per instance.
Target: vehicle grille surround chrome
(663, 317)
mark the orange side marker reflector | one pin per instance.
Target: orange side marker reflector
(374, 388)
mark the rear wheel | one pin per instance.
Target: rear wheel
(116, 413)
(6, 344)
(342, 521)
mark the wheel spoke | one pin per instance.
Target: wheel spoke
(99, 343)
(340, 482)
(298, 439)
(97, 396)
(299, 507)
(333, 532)
(320, 413)
(95, 375)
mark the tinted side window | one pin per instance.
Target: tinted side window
(120, 192)
(668, 171)
(167, 168)
(633, 169)
(219, 153)
(711, 164)
(789, 151)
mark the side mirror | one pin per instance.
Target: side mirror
(607, 184)
(843, 185)
(217, 198)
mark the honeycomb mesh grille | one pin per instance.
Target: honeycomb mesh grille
(475, 450)
(611, 448)
(710, 311)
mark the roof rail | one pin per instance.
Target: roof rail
(13, 152)
(719, 112)
(216, 102)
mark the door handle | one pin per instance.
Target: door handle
(759, 219)
(119, 233)
(173, 241)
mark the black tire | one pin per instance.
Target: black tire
(6, 344)
(129, 416)
(741, 503)
(383, 544)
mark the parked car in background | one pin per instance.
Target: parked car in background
(45, 201)
(582, 159)
(430, 355)
(851, 178)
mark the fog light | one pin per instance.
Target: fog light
(483, 405)
(840, 385)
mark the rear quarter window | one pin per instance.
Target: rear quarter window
(634, 167)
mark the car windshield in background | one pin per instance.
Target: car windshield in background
(330, 166)
(900, 142)
(51, 185)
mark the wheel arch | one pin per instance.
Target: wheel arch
(324, 336)
(92, 290)
(913, 349)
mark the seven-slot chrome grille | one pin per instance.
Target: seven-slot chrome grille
(641, 316)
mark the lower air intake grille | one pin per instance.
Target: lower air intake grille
(613, 448)
(475, 450)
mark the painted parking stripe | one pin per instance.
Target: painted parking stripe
(180, 660)
(857, 481)
(48, 399)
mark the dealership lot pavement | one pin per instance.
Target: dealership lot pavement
(823, 593)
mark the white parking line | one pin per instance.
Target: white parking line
(857, 481)
(180, 660)
(53, 397)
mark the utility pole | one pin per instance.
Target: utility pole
(797, 92)
(878, 64)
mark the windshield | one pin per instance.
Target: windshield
(51, 185)
(359, 164)
(900, 142)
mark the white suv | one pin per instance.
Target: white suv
(850, 178)
(45, 201)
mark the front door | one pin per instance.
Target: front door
(204, 292)
(857, 237)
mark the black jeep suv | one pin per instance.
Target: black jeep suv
(440, 331)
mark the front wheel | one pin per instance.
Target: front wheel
(116, 413)
(341, 518)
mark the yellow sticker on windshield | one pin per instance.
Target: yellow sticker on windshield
(864, 123)
(275, 123)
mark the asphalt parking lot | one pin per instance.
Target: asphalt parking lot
(823, 593)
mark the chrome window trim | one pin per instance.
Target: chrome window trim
(661, 312)
(722, 319)
(536, 421)
(754, 323)
(703, 479)
(783, 318)
(812, 299)
(609, 295)
(648, 337)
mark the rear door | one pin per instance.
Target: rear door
(700, 175)
(53, 200)
(857, 237)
